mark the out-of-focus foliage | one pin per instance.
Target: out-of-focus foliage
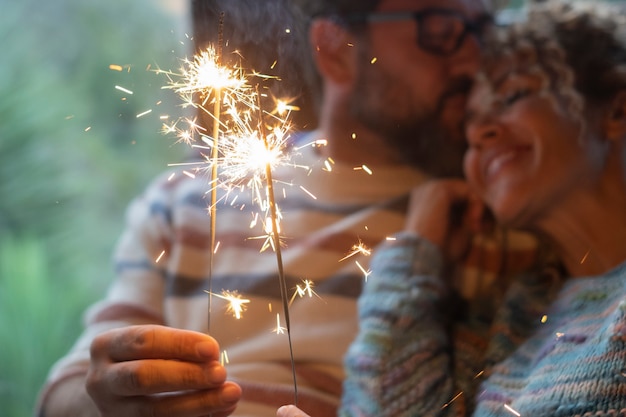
(72, 154)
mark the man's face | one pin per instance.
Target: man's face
(412, 97)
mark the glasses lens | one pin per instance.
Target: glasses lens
(441, 32)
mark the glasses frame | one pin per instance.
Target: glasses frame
(475, 27)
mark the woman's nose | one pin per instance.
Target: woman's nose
(480, 133)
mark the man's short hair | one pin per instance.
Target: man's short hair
(259, 36)
(314, 8)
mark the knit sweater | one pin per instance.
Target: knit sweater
(556, 347)
(163, 259)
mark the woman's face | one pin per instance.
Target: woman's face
(525, 153)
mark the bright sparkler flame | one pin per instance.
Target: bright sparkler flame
(236, 304)
(204, 74)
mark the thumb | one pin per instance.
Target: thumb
(290, 411)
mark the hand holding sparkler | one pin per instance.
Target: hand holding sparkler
(159, 371)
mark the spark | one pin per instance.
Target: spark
(236, 304)
(306, 289)
(510, 409)
(159, 257)
(224, 358)
(308, 192)
(279, 329)
(582, 261)
(144, 113)
(359, 248)
(452, 400)
(365, 272)
(125, 90)
(115, 67)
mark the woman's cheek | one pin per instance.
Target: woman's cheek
(471, 170)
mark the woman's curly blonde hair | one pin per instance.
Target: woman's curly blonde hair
(580, 46)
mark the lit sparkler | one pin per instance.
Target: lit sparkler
(247, 143)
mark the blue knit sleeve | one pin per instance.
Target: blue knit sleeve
(400, 363)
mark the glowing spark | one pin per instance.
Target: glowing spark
(224, 358)
(366, 273)
(144, 113)
(373, 61)
(452, 400)
(510, 409)
(279, 329)
(544, 319)
(356, 249)
(582, 261)
(308, 192)
(159, 257)
(390, 238)
(236, 304)
(115, 67)
(307, 289)
(125, 90)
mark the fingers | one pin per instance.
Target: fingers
(290, 411)
(158, 371)
(216, 403)
(431, 207)
(154, 342)
(144, 377)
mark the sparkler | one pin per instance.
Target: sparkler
(247, 142)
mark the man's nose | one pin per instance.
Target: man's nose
(467, 59)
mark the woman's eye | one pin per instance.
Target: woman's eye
(514, 96)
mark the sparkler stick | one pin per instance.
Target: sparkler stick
(217, 107)
(276, 239)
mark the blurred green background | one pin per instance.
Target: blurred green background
(72, 154)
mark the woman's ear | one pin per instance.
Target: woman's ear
(332, 49)
(615, 119)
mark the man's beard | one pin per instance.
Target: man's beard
(418, 136)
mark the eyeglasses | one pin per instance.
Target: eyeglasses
(439, 31)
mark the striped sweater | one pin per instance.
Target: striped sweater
(556, 347)
(163, 260)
